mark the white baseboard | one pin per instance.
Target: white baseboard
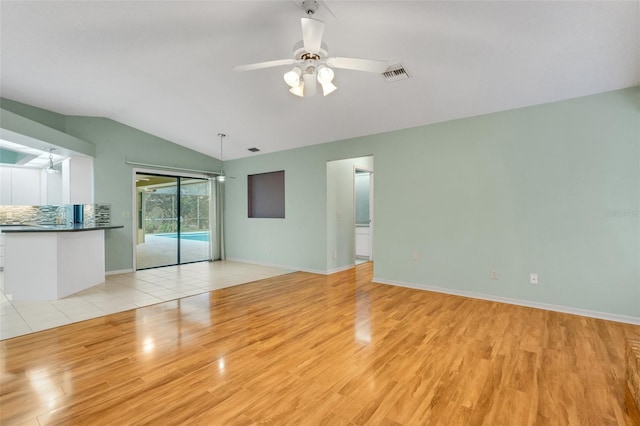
(275, 265)
(120, 271)
(294, 268)
(340, 269)
(538, 305)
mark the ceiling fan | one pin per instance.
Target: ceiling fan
(311, 59)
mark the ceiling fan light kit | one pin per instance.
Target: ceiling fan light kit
(312, 62)
(298, 90)
(309, 84)
(292, 78)
(328, 88)
(325, 74)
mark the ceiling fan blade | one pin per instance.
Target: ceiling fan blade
(368, 65)
(312, 30)
(268, 64)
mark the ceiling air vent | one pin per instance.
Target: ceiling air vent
(395, 73)
(253, 149)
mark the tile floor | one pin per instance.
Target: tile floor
(126, 291)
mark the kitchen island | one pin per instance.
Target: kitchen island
(49, 262)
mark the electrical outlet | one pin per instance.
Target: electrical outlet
(494, 274)
(335, 254)
(533, 278)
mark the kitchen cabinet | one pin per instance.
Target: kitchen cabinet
(1, 251)
(51, 188)
(19, 186)
(25, 187)
(49, 263)
(5, 186)
(363, 242)
(77, 180)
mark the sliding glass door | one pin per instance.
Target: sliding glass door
(172, 220)
(194, 231)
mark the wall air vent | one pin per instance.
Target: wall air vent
(253, 149)
(395, 72)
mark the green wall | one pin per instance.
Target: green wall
(113, 179)
(19, 129)
(42, 116)
(290, 241)
(111, 143)
(552, 189)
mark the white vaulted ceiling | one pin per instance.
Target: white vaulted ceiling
(165, 67)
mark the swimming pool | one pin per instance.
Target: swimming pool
(194, 236)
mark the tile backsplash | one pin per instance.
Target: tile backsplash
(97, 214)
(15, 215)
(94, 214)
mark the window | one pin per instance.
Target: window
(266, 195)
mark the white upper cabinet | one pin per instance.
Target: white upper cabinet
(77, 180)
(25, 187)
(5, 186)
(51, 188)
(19, 186)
(31, 187)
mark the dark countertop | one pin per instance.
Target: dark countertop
(54, 228)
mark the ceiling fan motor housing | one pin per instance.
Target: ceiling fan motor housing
(299, 51)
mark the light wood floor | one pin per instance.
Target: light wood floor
(307, 349)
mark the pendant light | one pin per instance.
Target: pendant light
(221, 177)
(50, 168)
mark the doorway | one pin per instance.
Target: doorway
(341, 214)
(363, 210)
(172, 220)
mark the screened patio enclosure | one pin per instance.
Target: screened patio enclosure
(173, 220)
